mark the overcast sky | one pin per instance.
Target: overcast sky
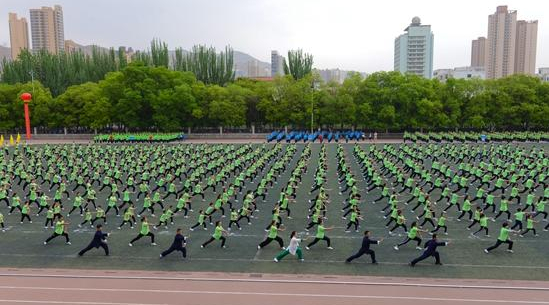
(346, 34)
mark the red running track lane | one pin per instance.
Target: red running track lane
(54, 286)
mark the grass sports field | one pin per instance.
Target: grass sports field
(22, 244)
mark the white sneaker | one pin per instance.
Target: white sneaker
(418, 248)
(396, 248)
(68, 243)
(330, 248)
(258, 247)
(153, 244)
(486, 251)
(130, 244)
(275, 260)
(510, 251)
(307, 248)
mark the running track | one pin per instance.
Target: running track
(53, 286)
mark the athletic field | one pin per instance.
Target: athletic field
(22, 244)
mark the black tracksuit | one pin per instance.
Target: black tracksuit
(430, 250)
(177, 245)
(97, 241)
(365, 249)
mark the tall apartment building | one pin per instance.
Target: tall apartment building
(414, 50)
(500, 43)
(19, 34)
(47, 29)
(277, 64)
(511, 44)
(478, 51)
(525, 49)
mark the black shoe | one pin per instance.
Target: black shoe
(374, 263)
(438, 264)
(411, 265)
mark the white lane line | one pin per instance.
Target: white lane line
(308, 261)
(250, 280)
(78, 303)
(279, 294)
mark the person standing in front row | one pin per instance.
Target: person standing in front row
(145, 231)
(365, 248)
(99, 240)
(179, 244)
(430, 250)
(502, 239)
(60, 230)
(292, 249)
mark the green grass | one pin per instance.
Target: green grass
(22, 244)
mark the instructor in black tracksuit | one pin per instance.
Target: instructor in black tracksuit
(179, 244)
(365, 248)
(99, 240)
(430, 250)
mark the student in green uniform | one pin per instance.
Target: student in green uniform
(519, 217)
(502, 239)
(476, 218)
(147, 205)
(2, 222)
(273, 235)
(529, 226)
(25, 211)
(441, 223)
(164, 218)
(321, 235)
(234, 220)
(60, 230)
(49, 218)
(87, 218)
(540, 209)
(218, 235)
(354, 220)
(144, 231)
(15, 204)
(413, 234)
(466, 209)
(126, 219)
(77, 204)
(200, 222)
(483, 221)
(99, 214)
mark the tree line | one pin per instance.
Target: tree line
(198, 89)
(142, 96)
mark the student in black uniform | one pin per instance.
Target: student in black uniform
(179, 244)
(99, 240)
(430, 250)
(365, 248)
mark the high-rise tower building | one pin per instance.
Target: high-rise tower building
(47, 29)
(19, 35)
(414, 50)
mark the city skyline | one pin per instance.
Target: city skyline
(336, 52)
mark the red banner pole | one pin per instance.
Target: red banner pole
(27, 120)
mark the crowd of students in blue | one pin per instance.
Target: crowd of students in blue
(329, 136)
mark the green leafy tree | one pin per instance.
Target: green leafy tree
(299, 64)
